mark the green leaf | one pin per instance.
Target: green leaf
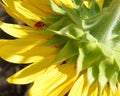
(69, 50)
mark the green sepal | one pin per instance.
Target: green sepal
(84, 11)
(93, 71)
(94, 9)
(119, 76)
(70, 31)
(88, 54)
(106, 50)
(110, 64)
(113, 81)
(77, 3)
(73, 14)
(80, 60)
(102, 79)
(111, 70)
(72, 60)
(56, 26)
(68, 51)
(56, 8)
(52, 20)
(56, 40)
(107, 3)
(59, 24)
(117, 58)
(101, 26)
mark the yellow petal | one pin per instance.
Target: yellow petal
(15, 30)
(118, 89)
(88, 4)
(80, 88)
(23, 11)
(31, 72)
(54, 82)
(67, 3)
(106, 91)
(25, 50)
(42, 6)
(11, 13)
(100, 3)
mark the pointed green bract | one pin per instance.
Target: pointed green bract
(68, 51)
(56, 8)
(96, 34)
(102, 75)
(113, 81)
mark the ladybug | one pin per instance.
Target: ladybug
(39, 25)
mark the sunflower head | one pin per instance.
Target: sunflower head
(75, 48)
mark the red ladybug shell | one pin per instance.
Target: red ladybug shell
(39, 25)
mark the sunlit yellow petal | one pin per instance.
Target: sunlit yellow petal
(80, 88)
(42, 6)
(68, 3)
(93, 89)
(31, 72)
(118, 90)
(53, 82)
(105, 91)
(88, 4)
(11, 13)
(100, 3)
(25, 12)
(15, 30)
(29, 49)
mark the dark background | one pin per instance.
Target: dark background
(6, 68)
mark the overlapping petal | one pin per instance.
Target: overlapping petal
(25, 12)
(44, 7)
(17, 31)
(30, 49)
(33, 71)
(55, 82)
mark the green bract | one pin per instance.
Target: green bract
(91, 37)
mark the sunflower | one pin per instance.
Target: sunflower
(71, 46)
